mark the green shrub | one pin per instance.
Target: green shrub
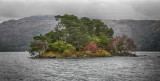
(102, 53)
(48, 54)
(60, 46)
(96, 39)
(67, 53)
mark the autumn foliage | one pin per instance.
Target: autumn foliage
(123, 44)
(91, 47)
(80, 37)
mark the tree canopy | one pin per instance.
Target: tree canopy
(77, 34)
(79, 31)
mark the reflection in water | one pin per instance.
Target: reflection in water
(18, 66)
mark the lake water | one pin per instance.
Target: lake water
(18, 66)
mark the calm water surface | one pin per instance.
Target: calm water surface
(18, 66)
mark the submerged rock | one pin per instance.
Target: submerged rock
(133, 55)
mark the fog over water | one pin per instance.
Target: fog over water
(102, 9)
(18, 66)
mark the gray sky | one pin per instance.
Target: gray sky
(102, 9)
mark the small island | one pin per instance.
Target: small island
(75, 37)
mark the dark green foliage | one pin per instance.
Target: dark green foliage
(39, 45)
(72, 33)
(86, 26)
(75, 31)
(41, 38)
(71, 29)
(98, 26)
(104, 40)
(36, 48)
(51, 37)
(79, 32)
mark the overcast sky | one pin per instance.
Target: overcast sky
(102, 9)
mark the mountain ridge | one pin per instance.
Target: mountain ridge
(16, 35)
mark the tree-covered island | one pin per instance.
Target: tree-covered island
(75, 37)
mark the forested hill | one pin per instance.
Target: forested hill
(16, 35)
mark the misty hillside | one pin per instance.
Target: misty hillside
(146, 33)
(16, 35)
